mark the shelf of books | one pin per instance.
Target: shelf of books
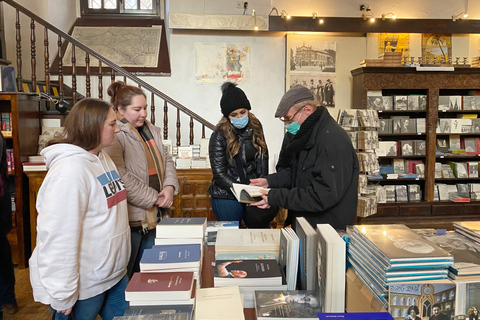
(429, 143)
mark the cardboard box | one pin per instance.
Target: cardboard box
(358, 296)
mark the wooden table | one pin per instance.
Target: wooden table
(208, 269)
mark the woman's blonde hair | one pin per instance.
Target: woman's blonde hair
(233, 147)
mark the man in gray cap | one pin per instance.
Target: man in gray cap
(317, 171)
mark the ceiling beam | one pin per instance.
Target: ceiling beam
(359, 25)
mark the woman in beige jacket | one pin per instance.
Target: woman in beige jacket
(146, 169)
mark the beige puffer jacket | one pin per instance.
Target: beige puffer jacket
(129, 157)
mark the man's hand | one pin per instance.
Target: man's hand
(259, 182)
(262, 204)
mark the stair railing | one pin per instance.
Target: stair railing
(116, 69)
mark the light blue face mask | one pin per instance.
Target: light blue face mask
(293, 127)
(239, 123)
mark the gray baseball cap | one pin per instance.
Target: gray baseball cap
(293, 96)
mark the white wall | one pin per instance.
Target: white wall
(267, 56)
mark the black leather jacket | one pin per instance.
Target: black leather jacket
(224, 168)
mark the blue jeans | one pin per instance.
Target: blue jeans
(228, 210)
(108, 304)
(140, 242)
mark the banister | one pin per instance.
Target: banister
(110, 64)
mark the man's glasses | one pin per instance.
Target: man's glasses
(289, 119)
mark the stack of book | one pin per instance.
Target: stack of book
(213, 226)
(386, 59)
(161, 288)
(384, 254)
(181, 231)
(249, 258)
(248, 241)
(249, 275)
(289, 253)
(465, 252)
(172, 258)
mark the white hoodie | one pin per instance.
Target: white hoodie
(83, 235)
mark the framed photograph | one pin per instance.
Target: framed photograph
(400, 102)
(407, 148)
(375, 103)
(387, 102)
(394, 42)
(310, 57)
(408, 126)
(436, 47)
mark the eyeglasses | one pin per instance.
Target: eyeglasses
(289, 119)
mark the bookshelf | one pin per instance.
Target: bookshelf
(23, 140)
(433, 84)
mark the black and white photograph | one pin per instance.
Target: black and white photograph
(387, 102)
(400, 102)
(413, 103)
(321, 86)
(385, 126)
(422, 102)
(413, 192)
(419, 147)
(397, 125)
(476, 125)
(375, 102)
(408, 126)
(445, 125)
(471, 102)
(406, 147)
(401, 193)
(309, 54)
(472, 169)
(470, 144)
(443, 103)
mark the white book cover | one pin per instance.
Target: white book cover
(331, 257)
(218, 303)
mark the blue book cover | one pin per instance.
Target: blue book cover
(181, 255)
(222, 224)
(356, 316)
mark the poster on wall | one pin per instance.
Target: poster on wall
(436, 47)
(219, 62)
(394, 42)
(321, 86)
(311, 62)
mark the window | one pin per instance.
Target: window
(120, 7)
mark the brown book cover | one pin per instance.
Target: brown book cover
(160, 285)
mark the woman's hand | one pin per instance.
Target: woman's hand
(65, 312)
(165, 197)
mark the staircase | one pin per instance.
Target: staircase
(61, 91)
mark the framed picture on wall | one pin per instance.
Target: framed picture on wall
(311, 62)
(394, 42)
(436, 47)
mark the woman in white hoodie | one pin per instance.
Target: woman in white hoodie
(83, 237)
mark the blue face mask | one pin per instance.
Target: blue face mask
(239, 123)
(293, 127)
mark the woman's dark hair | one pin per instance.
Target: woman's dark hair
(84, 123)
(233, 147)
(122, 94)
(413, 308)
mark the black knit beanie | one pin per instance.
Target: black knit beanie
(233, 98)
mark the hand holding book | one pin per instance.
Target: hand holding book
(248, 193)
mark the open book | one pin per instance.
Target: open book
(246, 193)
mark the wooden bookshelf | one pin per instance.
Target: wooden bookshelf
(404, 81)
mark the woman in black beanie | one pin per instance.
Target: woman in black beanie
(238, 153)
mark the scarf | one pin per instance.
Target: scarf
(156, 170)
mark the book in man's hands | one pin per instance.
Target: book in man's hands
(246, 193)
